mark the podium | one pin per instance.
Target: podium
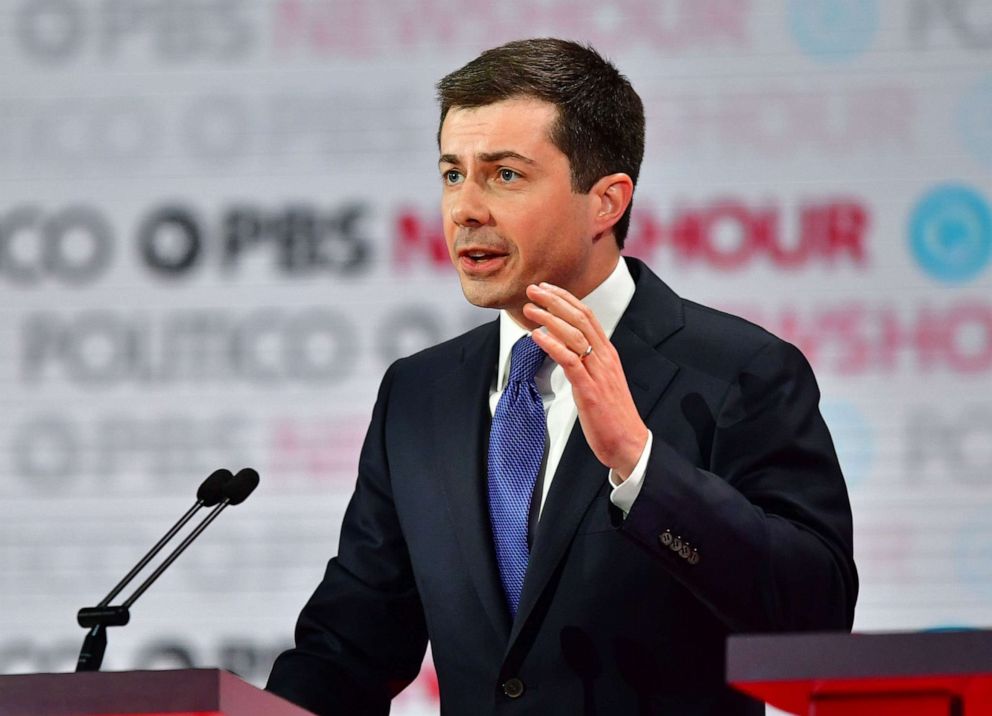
(189, 692)
(905, 674)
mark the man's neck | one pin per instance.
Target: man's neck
(579, 290)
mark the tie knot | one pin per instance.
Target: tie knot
(525, 358)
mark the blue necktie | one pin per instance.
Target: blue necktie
(516, 450)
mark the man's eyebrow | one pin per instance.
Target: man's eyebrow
(488, 157)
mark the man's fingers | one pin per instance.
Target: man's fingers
(606, 411)
(573, 338)
(568, 308)
(570, 361)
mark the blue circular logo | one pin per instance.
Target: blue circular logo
(975, 121)
(950, 233)
(853, 439)
(833, 29)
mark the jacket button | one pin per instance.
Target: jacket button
(665, 538)
(694, 557)
(686, 551)
(514, 688)
(676, 544)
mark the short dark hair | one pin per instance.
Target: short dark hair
(600, 125)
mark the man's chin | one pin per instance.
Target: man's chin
(487, 295)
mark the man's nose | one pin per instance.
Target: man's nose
(469, 207)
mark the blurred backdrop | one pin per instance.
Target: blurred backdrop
(219, 225)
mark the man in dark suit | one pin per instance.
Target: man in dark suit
(578, 502)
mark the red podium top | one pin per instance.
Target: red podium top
(793, 671)
(190, 692)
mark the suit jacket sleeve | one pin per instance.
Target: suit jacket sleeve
(361, 637)
(767, 515)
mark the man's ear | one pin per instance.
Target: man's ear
(611, 197)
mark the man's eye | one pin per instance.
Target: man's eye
(508, 175)
(452, 176)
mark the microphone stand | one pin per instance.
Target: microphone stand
(98, 618)
(221, 487)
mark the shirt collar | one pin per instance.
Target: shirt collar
(608, 301)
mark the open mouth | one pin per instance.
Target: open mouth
(480, 263)
(480, 256)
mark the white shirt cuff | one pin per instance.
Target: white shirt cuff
(624, 493)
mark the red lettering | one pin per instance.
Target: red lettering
(774, 244)
(814, 228)
(845, 224)
(644, 236)
(845, 327)
(968, 335)
(855, 339)
(726, 218)
(363, 27)
(322, 449)
(729, 235)
(793, 329)
(418, 239)
(921, 337)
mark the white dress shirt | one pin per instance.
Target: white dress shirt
(607, 301)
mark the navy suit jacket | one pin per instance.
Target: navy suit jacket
(743, 525)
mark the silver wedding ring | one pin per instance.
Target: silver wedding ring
(587, 352)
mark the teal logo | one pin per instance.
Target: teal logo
(833, 29)
(950, 233)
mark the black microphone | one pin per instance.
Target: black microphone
(219, 490)
(234, 492)
(209, 493)
(240, 486)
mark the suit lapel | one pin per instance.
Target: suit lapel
(461, 417)
(654, 313)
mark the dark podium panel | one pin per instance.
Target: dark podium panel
(190, 692)
(910, 674)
